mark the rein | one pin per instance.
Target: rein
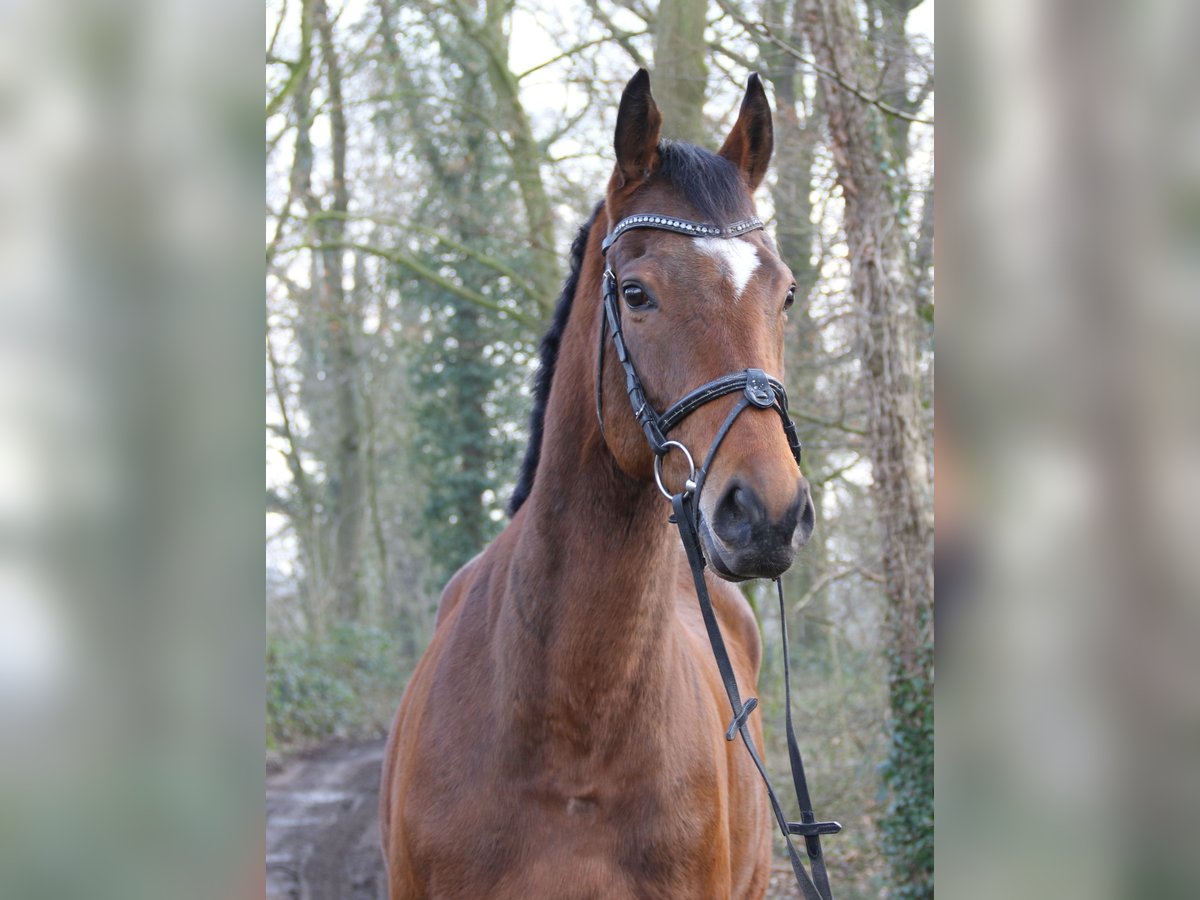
(762, 392)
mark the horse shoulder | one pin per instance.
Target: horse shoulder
(401, 750)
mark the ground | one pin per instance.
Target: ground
(323, 827)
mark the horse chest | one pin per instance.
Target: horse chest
(544, 838)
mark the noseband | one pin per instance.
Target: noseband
(761, 391)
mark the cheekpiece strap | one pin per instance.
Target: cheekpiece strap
(681, 226)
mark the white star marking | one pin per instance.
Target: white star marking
(737, 259)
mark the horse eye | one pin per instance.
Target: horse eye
(635, 296)
(790, 298)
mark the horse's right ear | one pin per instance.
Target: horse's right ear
(638, 121)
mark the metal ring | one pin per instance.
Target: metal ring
(690, 484)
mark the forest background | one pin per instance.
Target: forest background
(131, 713)
(427, 166)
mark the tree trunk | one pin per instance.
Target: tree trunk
(341, 316)
(894, 58)
(679, 72)
(795, 137)
(376, 612)
(882, 289)
(525, 152)
(304, 505)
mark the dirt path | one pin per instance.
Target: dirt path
(323, 825)
(323, 828)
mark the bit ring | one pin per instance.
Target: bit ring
(690, 484)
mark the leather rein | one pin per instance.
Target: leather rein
(761, 391)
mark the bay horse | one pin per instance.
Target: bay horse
(563, 735)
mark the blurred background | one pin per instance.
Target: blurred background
(131, 349)
(1069, 451)
(130, 358)
(428, 165)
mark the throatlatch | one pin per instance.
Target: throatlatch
(761, 391)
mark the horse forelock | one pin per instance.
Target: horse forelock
(710, 183)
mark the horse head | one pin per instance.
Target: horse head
(692, 306)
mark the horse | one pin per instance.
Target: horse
(563, 736)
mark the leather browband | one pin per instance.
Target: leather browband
(680, 226)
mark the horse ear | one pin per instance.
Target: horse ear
(638, 121)
(749, 143)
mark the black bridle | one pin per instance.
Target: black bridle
(762, 392)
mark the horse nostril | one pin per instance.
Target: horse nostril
(739, 512)
(807, 522)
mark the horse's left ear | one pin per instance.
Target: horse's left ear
(750, 142)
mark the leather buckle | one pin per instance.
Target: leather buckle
(740, 719)
(812, 829)
(758, 389)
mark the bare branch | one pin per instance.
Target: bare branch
(824, 580)
(549, 141)
(839, 471)
(825, 423)
(922, 94)
(764, 30)
(275, 34)
(423, 271)
(301, 67)
(618, 36)
(478, 255)
(734, 78)
(641, 10)
(298, 176)
(292, 453)
(741, 60)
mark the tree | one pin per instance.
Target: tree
(680, 72)
(461, 370)
(874, 221)
(347, 488)
(490, 32)
(329, 513)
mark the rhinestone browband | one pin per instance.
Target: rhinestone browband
(681, 226)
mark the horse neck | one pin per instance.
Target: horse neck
(591, 590)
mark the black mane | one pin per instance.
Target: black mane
(713, 186)
(547, 358)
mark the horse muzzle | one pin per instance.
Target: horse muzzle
(742, 541)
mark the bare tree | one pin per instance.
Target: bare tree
(883, 291)
(490, 28)
(342, 319)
